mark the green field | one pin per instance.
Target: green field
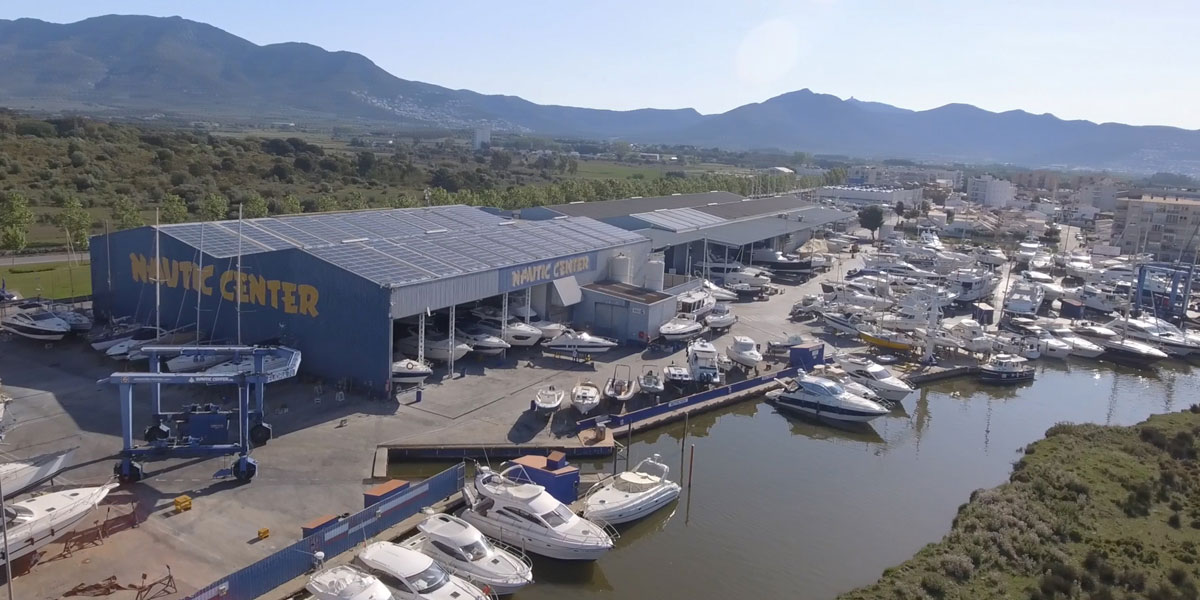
(49, 280)
(599, 169)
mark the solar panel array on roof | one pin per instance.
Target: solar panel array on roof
(678, 219)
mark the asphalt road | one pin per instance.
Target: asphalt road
(35, 259)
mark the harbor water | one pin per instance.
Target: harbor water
(782, 507)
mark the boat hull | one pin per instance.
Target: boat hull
(632, 511)
(1005, 377)
(578, 348)
(1126, 357)
(36, 333)
(816, 409)
(537, 545)
(884, 343)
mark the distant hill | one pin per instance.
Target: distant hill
(132, 64)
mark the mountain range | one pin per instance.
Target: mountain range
(136, 65)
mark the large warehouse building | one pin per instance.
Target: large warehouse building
(334, 285)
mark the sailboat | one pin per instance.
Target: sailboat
(187, 363)
(35, 522)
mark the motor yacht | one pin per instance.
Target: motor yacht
(585, 397)
(720, 317)
(511, 330)
(696, 302)
(1024, 299)
(908, 318)
(1037, 276)
(716, 265)
(408, 370)
(821, 397)
(79, 322)
(621, 386)
(929, 239)
(35, 522)
(1168, 327)
(36, 325)
(702, 362)
(20, 475)
(1006, 369)
(1097, 299)
(1026, 250)
(778, 263)
(1117, 274)
(971, 336)
(464, 551)
(480, 341)
(751, 276)
(1131, 352)
(990, 256)
(1172, 343)
(1047, 345)
(548, 399)
(580, 342)
(1041, 261)
(1080, 346)
(1082, 270)
(1017, 345)
(901, 268)
(413, 575)
(682, 327)
(718, 293)
(744, 351)
(926, 294)
(525, 515)
(345, 582)
(651, 382)
(970, 285)
(853, 296)
(631, 495)
(1092, 330)
(874, 376)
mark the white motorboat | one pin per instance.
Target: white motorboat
(651, 382)
(971, 336)
(696, 302)
(1080, 346)
(549, 329)
(127, 349)
(1097, 299)
(1037, 276)
(1082, 270)
(720, 317)
(1172, 343)
(1118, 273)
(1026, 250)
(990, 256)
(908, 318)
(36, 325)
(677, 374)
(1094, 331)
(852, 296)
(525, 515)
(702, 362)
(413, 575)
(585, 397)
(929, 239)
(245, 364)
(621, 386)
(1041, 261)
(1024, 299)
(480, 341)
(780, 263)
(874, 376)
(717, 265)
(20, 475)
(926, 294)
(437, 346)
(969, 285)
(820, 397)
(79, 322)
(750, 276)
(408, 370)
(467, 553)
(631, 495)
(1129, 351)
(842, 322)
(682, 327)
(1047, 344)
(718, 293)
(744, 351)
(345, 582)
(1018, 345)
(580, 342)
(1006, 369)
(511, 330)
(1166, 326)
(548, 399)
(35, 522)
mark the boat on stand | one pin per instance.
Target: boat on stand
(585, 397)
(621, 386)
(548, 400)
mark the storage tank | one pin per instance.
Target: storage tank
(654, 275)
(619, 268)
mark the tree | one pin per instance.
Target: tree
(254, 206)
(925, 207)
(173, 209)
(288, 205)
(13, 238)
(214, 207)
(501, 160)
(354, 201)
(801, 158)
(572, 166)
(325, 203)
(366, 160)
(75, 221)
(900, 208)
(949, 216)
(871, 218)
(125, 214)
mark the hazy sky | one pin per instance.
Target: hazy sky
(1101, 60)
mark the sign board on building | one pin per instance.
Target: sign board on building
(531, 274)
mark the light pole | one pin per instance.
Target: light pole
(4, 528)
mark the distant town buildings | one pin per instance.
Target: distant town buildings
(864, 195)
(896, 176)
(1035, 180)
(1101, 194)
(810, 171)
(483, 137)
(989, 191)
(1165, 226)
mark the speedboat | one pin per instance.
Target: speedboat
(1041, 260)
(971, 336)
(481, 342)
(345, 582)
(244, 364)
(20, 475)
(531, 518)
(843, 322)
(677, 374)
(777, 262)
(908, 318)
(585, 397)
(79, 322)
(1172, 343)
(580, 342)
(1026, 250)
(1093, 330)
(822, 397)
(875, 377)
(651, 382)
(717, 265)
(412, 575)
(467, 553)
(683, 326)
(702, 362)
(720, 317)
(718, 293)
(884, 338)
(548, 400)
(621, 386)
(437, 346)
(969, 285)
(750, 276)
(744, 351)
(1096, 299)
(35, 522)
(408, 370)
(697, 302)
(990, 256)
(1006, 368)
(511, 330)
(1133, 352)
(1082, 270)
(1024, 299)
(36, 325)
(631, 495)
(1080, 346)
(929, 239)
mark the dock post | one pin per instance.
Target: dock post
(691, 465)
(628, 445)
(683, 445)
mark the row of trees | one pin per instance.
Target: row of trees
(16, 217)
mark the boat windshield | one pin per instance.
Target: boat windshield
(558, 517)
(477, 550)
(429, 580)
(878, 372)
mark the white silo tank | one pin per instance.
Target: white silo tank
(654, 275)
(619, 268)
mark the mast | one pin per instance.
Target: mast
(108, 255)
(239, 277)
(199, 282)
(157, 275)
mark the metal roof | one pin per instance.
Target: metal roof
(619, 208)
(678, 219)
(746, 231)
(396, 247)
(755, 207)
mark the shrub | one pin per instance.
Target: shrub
(957, 567)
(935, 585)
(1154, 437)
(1173, 520)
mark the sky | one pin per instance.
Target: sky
(1101, 60)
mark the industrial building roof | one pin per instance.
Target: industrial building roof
(397, 247)
(754, 207)
(746, 231)
(628, 206)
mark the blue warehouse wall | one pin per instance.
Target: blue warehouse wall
(339, 320)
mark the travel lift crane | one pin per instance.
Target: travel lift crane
(199, 430)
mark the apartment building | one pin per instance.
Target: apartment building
(1101, 194)
(864, 195)
(1035, 180)
(989, 191)
(888, 175)
(1165, 226)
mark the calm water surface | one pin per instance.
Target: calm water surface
(787, 508)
